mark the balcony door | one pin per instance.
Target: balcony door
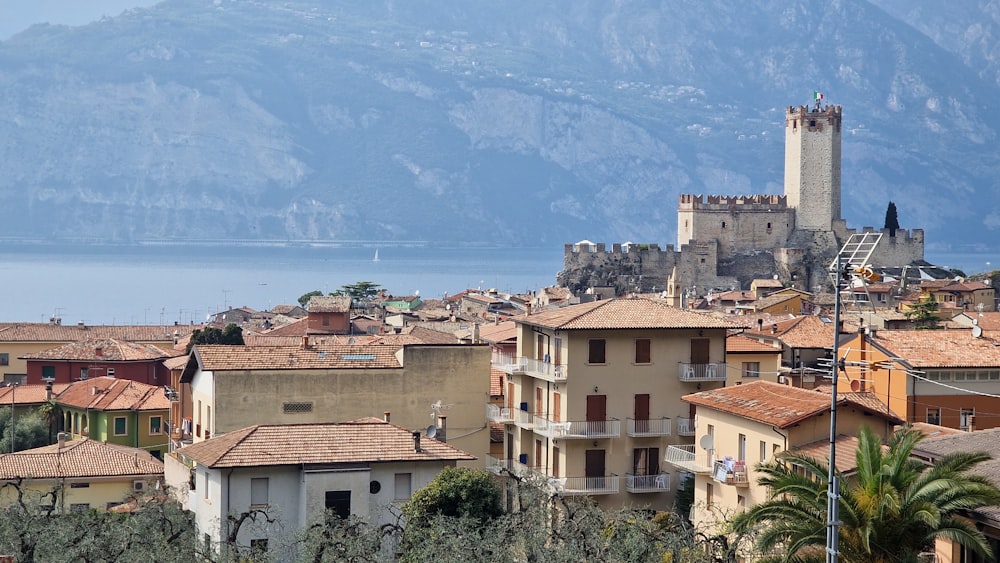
(597, 413)
(556, 407)
(699, 351)
(594, 469)
(641, 412)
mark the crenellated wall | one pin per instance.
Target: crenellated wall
(739, 223)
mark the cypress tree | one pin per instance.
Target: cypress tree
(891, 219)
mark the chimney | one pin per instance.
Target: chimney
(760, 325)
(475, 334)
(48, 390)
(99, 351)
(527, 309)
(774, 328)
(416, 442)
(385, 416)
(442, 429)
(972, 423)
(305, 341)
(81, 325)
(93, 390)
(62, 439)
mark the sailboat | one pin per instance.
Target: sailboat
(375, 259)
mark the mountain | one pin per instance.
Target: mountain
(505, 122)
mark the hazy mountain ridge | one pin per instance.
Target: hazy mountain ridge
(457, 121)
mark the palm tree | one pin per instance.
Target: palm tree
(892, 509)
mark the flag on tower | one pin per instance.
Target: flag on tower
(818, 96)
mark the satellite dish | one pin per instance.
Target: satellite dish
(977, 331)
(416, 292)
(706, 442)
(855, 385)
(432, 431)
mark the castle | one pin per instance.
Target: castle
(724, 242)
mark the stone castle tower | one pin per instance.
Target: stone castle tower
(725, 241)
(812, 166)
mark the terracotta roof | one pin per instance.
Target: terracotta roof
(979, 441)
(221, 358)
(807, 331)
(79, 458)
(950, 348)
(960, 287)
(177, 362)
(845, 448)
(867, 400)
(366, 440)
(736, 295)
(932, 430)
(46, 332)
(774, 299)
(737, 343)
(621, 313)
(766, 282)
(771, 403)
(986, 321)
(328, 304)
(111, 394)
(285, 309)
(556, 292)
(101, 349)
(501, 332)
(28, 394)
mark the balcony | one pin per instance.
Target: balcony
(731, 473)
(577, 429)
(509, 466)
(685, 458)
(538, 369)
(647, 483)
(607, 485)
(522, 418)
(645, 428)
(685, 427)
(702, 372)
(502, 415)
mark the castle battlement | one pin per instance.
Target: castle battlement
(902, 235)
(755, 202)
(812, 118)
(617, 249)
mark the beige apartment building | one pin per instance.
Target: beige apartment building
(593, 396)
(739, 427)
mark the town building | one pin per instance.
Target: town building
(739, 427)
(296, 473)
(89, 358)
(328, 315)
(234, 387)
(593, 396)
(751, 359)
(78, 475)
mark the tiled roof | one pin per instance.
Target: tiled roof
(79, 458)
(986, 321)
(771, 403)
(111, 394)
(621, 313)
(496, 333)
(328, 304)
(774, 299)
(28, 394)
(47, 332)
(366, 440)
(932, 430)
(845, 448)
(177, 362)
(950, 348)
(736, 295)
(766, 282)
(557, 292)
(284, 309)
(867, 400)
(266, 339)
(221, 358)
(979, 441)
(967, 286)
(807, 331)
(101, 349)
(737, 343)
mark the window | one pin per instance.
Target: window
(645, 461)
(197, 426)
(4, 359)
(79, 507)
(966, 418)
(339, 503)
(79, 485)
(155, 425)
(326, 320)
(121, 428)
(596, 355)
(48, 372)
(934, 416)
(751, 369)
(83, 373)
(709, 496)
(763, 451)
(15, 379)
(741, 502)
(723, 224)
(111, 372)
(643, 351)
(258, 491)
(208, 422)
(204, 483)
(403, 486)
(742, 455)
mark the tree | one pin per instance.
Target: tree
(457, 491)
(923, 314)
(232, 335)
(361, 291)
(304, 298)
(891, 510)
(28, 430)
(891, 219)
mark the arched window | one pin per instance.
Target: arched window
(723, 224)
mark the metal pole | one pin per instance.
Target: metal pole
(13, 426)
(833, 486)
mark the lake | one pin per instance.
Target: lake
(161, 285)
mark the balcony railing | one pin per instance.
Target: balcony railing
(702, 372)
(685, 458)
(499, 414)
(577, 429)
(538, 369)
(685, 426)
(647, 483)
(523, 419)
(731, 473)
(508, 466)
(607, 485)
(649, 427)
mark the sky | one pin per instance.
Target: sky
(18, 15)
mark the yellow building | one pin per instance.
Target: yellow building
(739, 427)
(751, 359)
(78, 475)
(593, 396)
